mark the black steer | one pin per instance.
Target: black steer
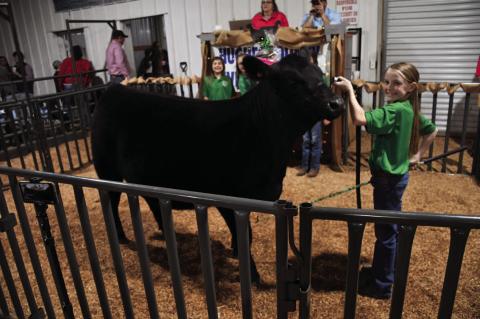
(236, 147)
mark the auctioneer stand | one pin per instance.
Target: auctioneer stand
(333, 45)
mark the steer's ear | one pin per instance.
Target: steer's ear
(255, 68)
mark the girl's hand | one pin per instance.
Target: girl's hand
(415, 159)
(343, 84)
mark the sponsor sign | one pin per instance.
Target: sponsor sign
(229, 56)
(348, 10)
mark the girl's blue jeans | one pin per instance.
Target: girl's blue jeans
(312, 147)
(388, 190)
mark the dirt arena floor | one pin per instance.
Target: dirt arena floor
(427, 192)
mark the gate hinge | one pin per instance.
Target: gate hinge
(7, 222)
(294, 290)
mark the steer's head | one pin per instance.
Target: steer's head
(299, 87)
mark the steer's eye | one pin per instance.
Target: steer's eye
(320, 84)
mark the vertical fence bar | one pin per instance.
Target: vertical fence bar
(55, 140)
(358, 151)
(32, 250)
(447, 131)
(242, 218)
(83, 113)
(63, 124)
(464, 131)
(41, 135)
(476, 151)
(305, 275)
(206, 259)
(70, 252)
(73, 130)
(345, 135)
(49, 244)
(92, 251)
(281, 240)
(405, 241)
(4, 311)
(29, 135)
(4, 146)
(434, 116)
(182, 91)
(143, 256)
(7, 275)
(190, 89)
(116, 254)
(17, 255)
(18, 143)
(458, 241)
(173, 260)
(355, 235)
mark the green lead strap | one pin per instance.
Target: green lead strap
(341, 192)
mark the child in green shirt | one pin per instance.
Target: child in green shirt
(397, 128)
(244, 84)
(217, 86)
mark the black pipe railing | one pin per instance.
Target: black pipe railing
(356, 219)
(44, 190)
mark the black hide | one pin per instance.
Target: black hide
(236, 147)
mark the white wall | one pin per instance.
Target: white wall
(184, 20)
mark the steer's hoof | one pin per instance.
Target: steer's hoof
(122, 240)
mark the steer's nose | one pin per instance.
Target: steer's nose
(336, 106)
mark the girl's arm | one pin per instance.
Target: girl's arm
(425, 143)
(356, 111)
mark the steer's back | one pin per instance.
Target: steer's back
(171, 142)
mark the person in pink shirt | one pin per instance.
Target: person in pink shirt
(269, 16)
(116, 59)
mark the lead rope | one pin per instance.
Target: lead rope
(341, 192)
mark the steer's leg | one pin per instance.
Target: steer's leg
(229, 217)
(114, 201)
(157, 213)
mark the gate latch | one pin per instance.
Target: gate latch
(37, 192)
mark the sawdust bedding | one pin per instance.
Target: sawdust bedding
(427, 192)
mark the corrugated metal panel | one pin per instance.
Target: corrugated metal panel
(442, 38)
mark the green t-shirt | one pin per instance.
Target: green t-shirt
(217, 89)
(392, 125)
(244, 84)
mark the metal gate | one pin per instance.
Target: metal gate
(44, 192)
(57, 287)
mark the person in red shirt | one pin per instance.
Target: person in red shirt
(269, 16)
(82, 65)
(477, 72)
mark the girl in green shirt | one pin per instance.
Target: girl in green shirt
(397, 128)
(244, 84)
(217, 86)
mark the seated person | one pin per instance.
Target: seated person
(269, 16)
(320, 15)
